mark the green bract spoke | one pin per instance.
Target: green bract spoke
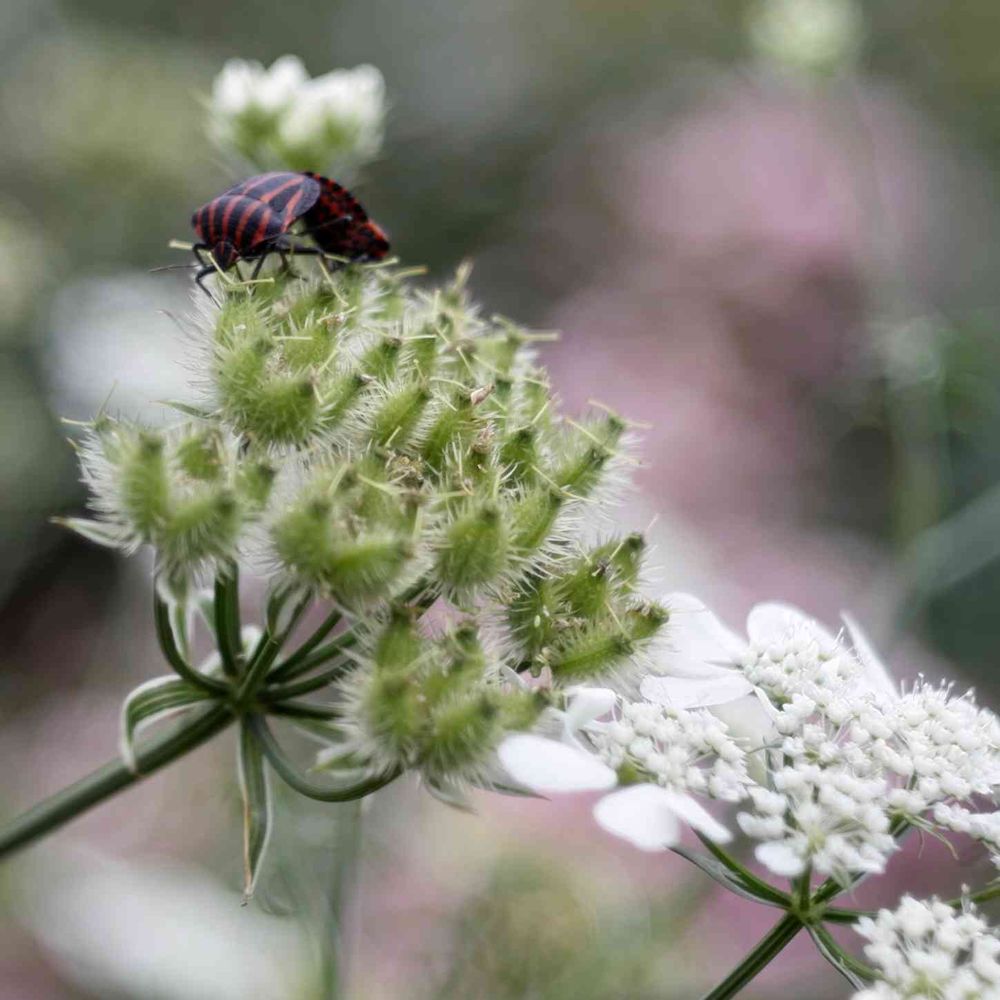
(288, 667)
(165, 635)
(257, 819)
(227, 621)
(150, 702)
(726, 878)
(838, 915)
(305, 710)
(743, 874)
(292, 776)
(321, 680)
(854, 971)
(317, 658)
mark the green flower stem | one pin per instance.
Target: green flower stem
(304, 710)
(767, 948)
(227, 620)
(265, 655)
(803, 892)
(287, 671)
(329, 623)
(836, 915)
(110, 779)
(832, 949)
(831, 888)
(302, 783)
(310, 684)
(165, 634)
(984, 895)
(761, 887)
(308, 656)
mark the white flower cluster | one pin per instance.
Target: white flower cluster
(842, 762)
(687, 751)
(928, 949)
(820, 817)
(663, 755)
(279, 117)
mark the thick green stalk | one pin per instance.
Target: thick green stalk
(110, 779)
(767, 948)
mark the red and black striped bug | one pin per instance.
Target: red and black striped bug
(250, 220)
(340, 226)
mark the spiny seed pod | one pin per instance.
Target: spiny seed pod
(432, 703)
(396, 417)
(322, 544)
(461, 731)
(474, 549)
(594, 650)
(584, 616)
(399, 646)
(145, 488)
(182, 491)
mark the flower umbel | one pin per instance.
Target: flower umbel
(837, 765)
(280, 117)
(930, 949)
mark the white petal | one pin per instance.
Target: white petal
(545, 765)
(751, 720)
(587, 704)
(641, 814)
(233, 88)
(278, 85)
(695, 692)
(698, 643)
(876, 672)
(780, 858)
(697, 817)
(770, 619)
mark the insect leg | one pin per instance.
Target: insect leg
(199, 280)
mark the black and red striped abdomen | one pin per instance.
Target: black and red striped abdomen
(340, 226)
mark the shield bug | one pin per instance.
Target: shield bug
(340, 226)
(249, 220)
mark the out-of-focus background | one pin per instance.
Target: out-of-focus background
(766, 229)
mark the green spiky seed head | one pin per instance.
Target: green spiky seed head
(387, 447)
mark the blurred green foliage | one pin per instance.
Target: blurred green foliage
(532, 933)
